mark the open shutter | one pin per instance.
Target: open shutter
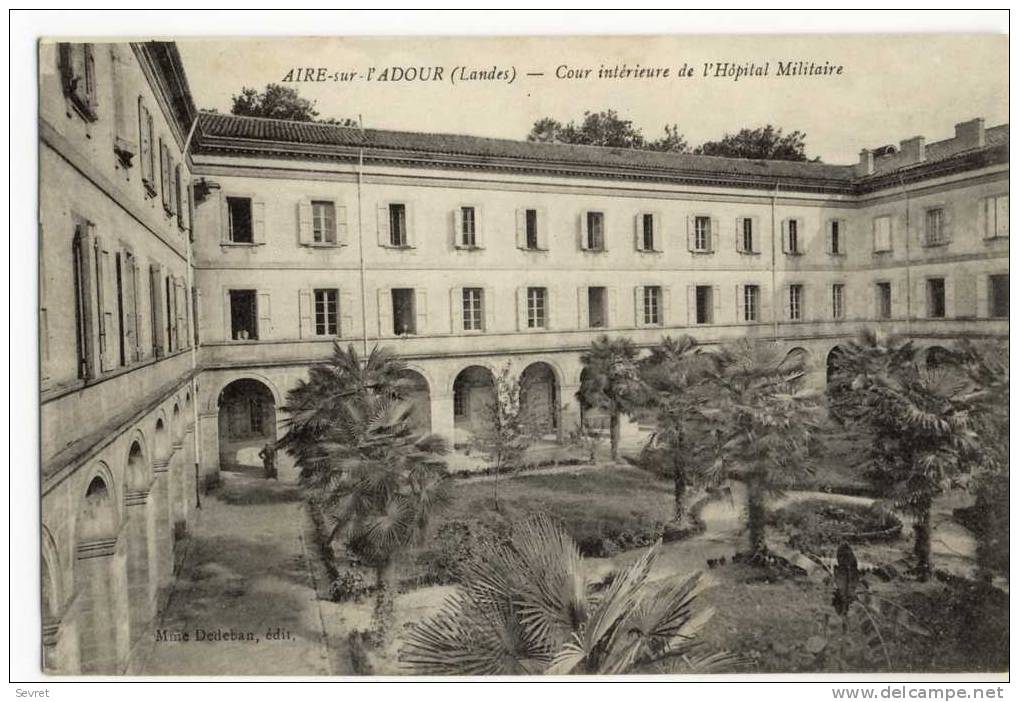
(306, 312)
(638, 317)
(411, 223)
(691, 304)
(196, 313)
(342, 229)
(479, 226)
(522, 309)
(949, 296)
(658, 224)
(457, 221)
(346, 314)
(1001, 215)
(156, 309)
(228, 330)
(224, 218)
(541, 223)
(691, 239)
(258, 221)
(757, 233)
(613, 296)
(103, 302)
(136, 317)
(638, 231)
(667, 305)
(488, 302)
(714, 234)
(788, 302)
(920, 301)
(947, 223)
(900, 299)
(740, 306)
(265, 330)
(801, 237)
(181, 307)
(456, 316)
(785, 236)
(983, 290)
(521, 223)
(739, 235)
(581, 230)
(765, 302)
(420, 311)
(551, 308)
(382, 224)
(830, 237)
(385, 312)
(144, 142)
(305, 227)
(583, 312)
(716, 301)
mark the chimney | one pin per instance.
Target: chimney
(866, 165)
(970, 135)
(912, 150)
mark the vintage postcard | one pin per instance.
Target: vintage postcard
(558, 355)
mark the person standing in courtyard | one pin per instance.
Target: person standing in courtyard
(268, 456)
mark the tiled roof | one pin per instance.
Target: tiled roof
(316, 134)
(939, 150)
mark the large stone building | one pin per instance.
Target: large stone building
(185, 291)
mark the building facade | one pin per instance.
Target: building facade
(213, 293)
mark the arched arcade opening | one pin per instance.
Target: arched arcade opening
(247, 422)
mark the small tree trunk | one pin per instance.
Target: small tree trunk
(756, 514)
(382, 615)
(495, 487)
(678, 484)
(922, 539)
(614, 435)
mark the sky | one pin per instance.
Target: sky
(892, 87)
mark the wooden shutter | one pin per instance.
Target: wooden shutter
(740, 306)
(551, 297)
(258, 221)
(420, 311)
(666, 305)
(265, 330)
(1001, 215)
(382, 224)
(346, 313)
(457, 222)
(691, 304)
(156, 309)
(658, 227)
(385, 296)
(144, 144)
(180, 307)
(582, 230)
(164, 174)
(947, 223)
(983, 293)
(716, 302)
(638, 231)
(224, 219)
(949, 296)
(479, 226)
(583, 312)
(638, 308)
(456, 318)
(342, 230)
(785, 236)
(541, 225)
(488, 304)
(104, 304)
(521, 223)
(900, 299)
(739, 235)
(129, 321)
(830, 237)
(409, 213)
(191, 211)
(691, 233)
(136, 317)
(305, 227)
(306, 312)
(613, 312)
(713, 234)
(522, 309)
(764, 303)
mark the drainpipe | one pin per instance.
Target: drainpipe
(360, 243)
(775, 301)
(194, 322)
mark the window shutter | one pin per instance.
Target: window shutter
(224, 218)
(420, 311)
(488, 303)
(716, 301)
(306, 312)
(949, 297)
(714, 234)
(345, 313)
(412, 234)
(583, 312)
(184, 216)
(739, 235)
(164, 173)
(983, 292)
(691, 239)
(691, 304)
(740, 307)
(342, 230)
(758, 233)
(541, 216)
(479, 226)
(900, 299)
(921, 305)
(613, 296)
(265, 330)
(788, 292)
(638, 231)
(551, 309)
(582, 229)
(785, 236)
(801, 236)
(382, 224)
(156, 305)
(456, 316)
(258, 221)
(180, 307)
(128, 306)
(763, 304)
(830, 237)
(522, 309)
(191, 210)
(196, 313)
(305, 228)
(104, 316)
(521, 220)
(667, 305)
(985, 217)
(658, 224)
(1001, 216)
(227, 320)
(638, 317)
(385, 312)
(136, 309)
(458, 224)
(172, 173)
(144, 145)
(946, 223)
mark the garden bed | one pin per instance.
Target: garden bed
(817, 525)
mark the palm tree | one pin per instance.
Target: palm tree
(610, 382)
(673, 376)
(375, 481)
(920, 420)
(762, 424)
(526, 608)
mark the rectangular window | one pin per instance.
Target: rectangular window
(936, 298)
(996, 217)
(836, 238)
(531, 228)
(751, 302)
(171, 316)
(473, 309)
(597, 308)
(121, 321)
(397, 224)
(702, 234)
(596, 231)
(795, 302)
(704, 296)
(404, 320)
(323, 222)
(83, 337)
(239, 212)
(748, 235)
(243, 315)
(884, 300)
(468, 227)
(647, 231)
(934, 227)
(178, 197)
(460, 400)
(794, 236)
(882, 234)
(78, 74)
(326, 312)
(536, 312)
(838, 291)
(147, 153)
(652, 305)
(998, 295)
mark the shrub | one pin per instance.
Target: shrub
(349, 585)
(813, 525)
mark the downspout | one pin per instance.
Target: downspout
(909, 282)
(360, 243)
(775, 301)
(194, 324)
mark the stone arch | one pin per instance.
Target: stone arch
(177, 423)
(138, 474)
(475, 364)
(418, 395)
(214, 397)
(936, 356)
(831, 363)
(472, 392)
(247, 416)
(98, 516)
(540, 397)
(161, 443)
(51, 599)
(140, 533)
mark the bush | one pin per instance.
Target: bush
(813, 525)
(455, 542)
(349, 585)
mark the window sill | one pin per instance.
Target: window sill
(240, 244)
(461, 247)
(650, 251)
(836, 254)
(595, 251)
(85, 109)
(882, 252)
(322, 245)
(402, 247)
(793, 253)
(696, 252)
(749, 253)
(528, 249)
(150, 188)
(936, 245)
